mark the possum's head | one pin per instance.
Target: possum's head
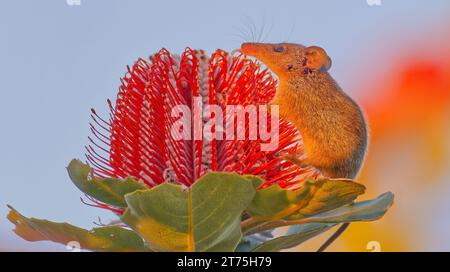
(288, 59)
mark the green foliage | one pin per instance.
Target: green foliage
(368, 210)
(111, 238)
(212, 215)
(314, 197)
(312, 226)
(303, 233)
(205, 218)
(108, 190)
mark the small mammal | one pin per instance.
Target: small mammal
(331, 123)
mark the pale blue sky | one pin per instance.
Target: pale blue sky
(57, 61)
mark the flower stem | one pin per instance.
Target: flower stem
(333, 237)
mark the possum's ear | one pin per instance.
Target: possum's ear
(317, 58)
(327, 65)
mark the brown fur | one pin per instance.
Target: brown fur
(330, 122)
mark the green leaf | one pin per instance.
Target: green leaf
(256, 180)
(274, 201)
(111, 238)
(314, 197)
(108, 190)
(204, 218)
(329, 194)
(301, 234)
(369, 210)
(249, 242)
(311, 226)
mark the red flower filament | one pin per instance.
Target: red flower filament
(136, 141)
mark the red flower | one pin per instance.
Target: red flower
(136, 141)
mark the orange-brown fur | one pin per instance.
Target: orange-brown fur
(330, 122)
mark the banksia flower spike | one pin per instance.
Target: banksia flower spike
(137, 139)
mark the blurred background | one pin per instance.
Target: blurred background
(58, 60)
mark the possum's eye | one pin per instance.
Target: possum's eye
(278, 49)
